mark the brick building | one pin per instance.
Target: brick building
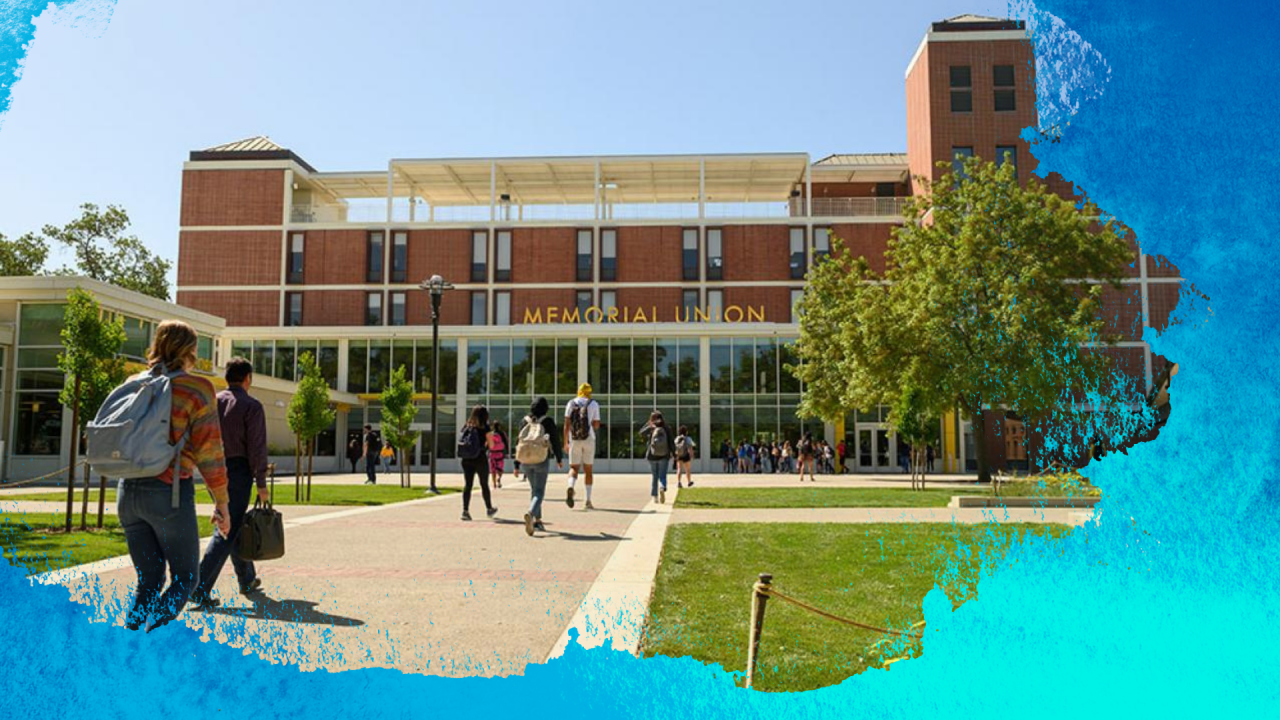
(665, 281)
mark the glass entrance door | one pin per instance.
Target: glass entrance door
(875, 450)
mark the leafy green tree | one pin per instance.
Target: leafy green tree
(103, 252)
(309, 414)
(398, 415)
(915, 416)
(24, 256)
(981, 304)
(91, 344)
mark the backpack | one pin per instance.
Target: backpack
(580, 421)
(682, 447)
(375, 443)
(806, 447)
(659, 448)
(534, 444)
(129, 437)
(470, 443)
(499, 443)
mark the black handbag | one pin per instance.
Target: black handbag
(262, 531)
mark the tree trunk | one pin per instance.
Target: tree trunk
(102, 497)
(311, 455)
(75, 449)
(297, 468)
(979, 424)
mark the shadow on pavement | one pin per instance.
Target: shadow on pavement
(292, 611)
(600, 537)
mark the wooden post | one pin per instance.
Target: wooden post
(758, 600)
(102, 497)
(75, 448)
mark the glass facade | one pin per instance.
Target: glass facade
(279, 358)
(631, 377)
(753, 396)
(37, 426)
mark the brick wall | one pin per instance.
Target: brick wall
(229, 258)
(650, 254)
(322, 308)
(538, 301)
(544, 255)
(869, 240)
(756, 252)
(775, 300)
(232, 197)
(237, 307)
(455, 307)
(1122, 310)
(666, 300)
(335, 257)
(446, 253)
(1163, 299)
(919, 119)
(1159, 266)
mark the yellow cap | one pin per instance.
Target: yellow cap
(584, 390)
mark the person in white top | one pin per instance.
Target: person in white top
(581, 421)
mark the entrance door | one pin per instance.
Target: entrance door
(875, 450)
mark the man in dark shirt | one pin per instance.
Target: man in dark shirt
(244, 441)
(372, 448)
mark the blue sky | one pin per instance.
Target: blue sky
(107, 113)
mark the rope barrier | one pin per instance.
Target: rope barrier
(775, 594)
(55, 473)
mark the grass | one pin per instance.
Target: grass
(37, 540)
(339, 495)
(876, 574)
(811, 497)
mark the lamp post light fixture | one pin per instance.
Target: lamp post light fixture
(436, 286)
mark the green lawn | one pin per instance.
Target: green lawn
(320, 495)
(1046, 488)
(37, 540)
(876, 574)
(814, 497)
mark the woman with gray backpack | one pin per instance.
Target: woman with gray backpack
(659, 449)
(539, 438)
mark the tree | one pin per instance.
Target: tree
(981, 304)
(309, 414)
(104, 253)
(398, 416)
(914, 416)
(90, 360)
(24, 256)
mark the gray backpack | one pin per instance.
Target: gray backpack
(129, 438)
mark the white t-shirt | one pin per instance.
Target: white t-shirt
(593, 414)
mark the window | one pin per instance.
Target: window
(373, 309)
(399, 257)
(397, 308)
(958, 156)
(797, 253)
(502, 271)
(584, 256)
(502, 308)
(1008, 154)
(479, 256)
(886, 189)
(715, 305)
(689, 302)
(608, 255)
(478, 315)
(689, 254)
(715, 260)
(1002, 80)
(293, 303)
(821, 243)
(584, 303)
(961, 89)
(297, 242)
(374, 258)
(608, 303)
(795, 298)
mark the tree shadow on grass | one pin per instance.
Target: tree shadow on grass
(291, 611)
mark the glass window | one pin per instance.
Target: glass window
(297, 242)
(667, 359)
(286, 356)
(373, 308)
(766, 366)
(567, 367)
(620, 367)
(715, 260)
(821, 243)
(38, 428)
(422, 380)
(357, 366)
(688, 302)
(42, 324)
(744, 381)
(689, 254)
(373, 260)
(958, 156)
(500, 368)
(502, 271)
(642, 367)
(399, 257)
(40, 380)
(38, 358)
(1003, 80)
(448, 371)
(379, 365)
(787, 381)
(137, 338)
(608, 301)
(264, 356)
(521, 368)
(961, 89)
(721, 367)
(583, 300)
(544, 367)
(204, 348)
(715, 305)
(608, 255)
(598, 366)
(242, 349)
(478, 368)
(402, 357)
(397, 308)
(1008, 154)
(502, 308)
(689, 379)
(478, 314)
(329, 362)
(797, 253)
(584, 256)
(479, 258)
(293, 312)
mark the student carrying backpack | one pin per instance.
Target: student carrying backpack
(684, 456)
(658, 451)
(539, 438)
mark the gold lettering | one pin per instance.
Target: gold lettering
(700, 314)
(731, 309)
(613, 314)
(682, 314)
(599, 315)
(639, 316)
(755, 314)
(532, 317)
(551, 314)
(653, 313)
(569, 315)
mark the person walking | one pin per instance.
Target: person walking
(805, 452)
(372, 451)
(497, 454)
(539, 437)
(388, 455)
(354, 451)
(581, 422)
(472, 442)
(928, 458)
(244, 441)
(685, 448)
(658, 450)
(159, 536)
(726, 454)
(786, 457)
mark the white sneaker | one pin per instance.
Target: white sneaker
(662, 496)
(589, 506)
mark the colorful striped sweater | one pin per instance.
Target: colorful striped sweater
(195, 407)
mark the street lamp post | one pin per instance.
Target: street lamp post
(436, 286)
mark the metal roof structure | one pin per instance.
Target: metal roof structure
(862, 167)
(254, 144)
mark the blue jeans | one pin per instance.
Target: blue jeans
(659, 470)
(371, 469)
(536, 474)
(240, 488)
(159, 536)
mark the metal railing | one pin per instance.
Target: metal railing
(851, 207)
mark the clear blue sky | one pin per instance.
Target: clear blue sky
(107, 113)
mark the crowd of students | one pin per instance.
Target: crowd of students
(806, 455)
